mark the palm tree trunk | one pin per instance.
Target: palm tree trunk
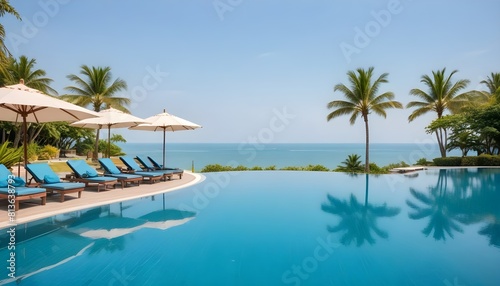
(17, 137)
(367, 161)
(96, 148)
(439, 137)
(37, 132)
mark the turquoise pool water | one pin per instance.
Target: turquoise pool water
(277, 228)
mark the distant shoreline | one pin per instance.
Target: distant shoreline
(330, 155)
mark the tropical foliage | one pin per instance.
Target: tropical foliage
(362, 98)
(493, 84)
(5, 8)
(114, 149)
(476, 129)
(24, 69)
(220, 168)
(9, 156)
(96, 89)
(442, 95)
(351, 165)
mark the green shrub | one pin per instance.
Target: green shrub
(43, 156)
(448, 161)
(50, 151)
(270, 168)
(318, 168)
(375, 169)
(256, 168)
(215, 168)
(33, 151)
(422, 162)
(9, 156)
(488, 160)
(292, 168)
(239, 168)
(470, 161)
(401, 164)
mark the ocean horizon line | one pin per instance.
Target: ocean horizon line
(184, 155)
(257, 143)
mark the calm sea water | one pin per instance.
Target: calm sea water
(182, 155)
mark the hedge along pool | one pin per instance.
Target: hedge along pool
(435, 227)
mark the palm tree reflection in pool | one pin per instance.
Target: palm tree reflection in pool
(357, 221)
(483, 202)
(443, 209)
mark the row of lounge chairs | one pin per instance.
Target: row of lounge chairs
(47, 181)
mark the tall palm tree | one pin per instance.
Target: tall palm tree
(97, 90)
(493, 84)
(5, 7)
(362, 98)
(442, 96)
(24, 69)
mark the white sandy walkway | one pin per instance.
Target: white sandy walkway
(32, 210)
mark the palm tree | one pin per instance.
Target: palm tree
(352, 164)
(24, 69)
(493, 84)
(5, 7)
(362, 98)
(97, 90)
(442, 96)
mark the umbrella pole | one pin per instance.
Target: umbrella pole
(164, 167)
(25, 139)
(109, 141)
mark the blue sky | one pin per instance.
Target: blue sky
(260, 70)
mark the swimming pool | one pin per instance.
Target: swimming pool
(440, 227)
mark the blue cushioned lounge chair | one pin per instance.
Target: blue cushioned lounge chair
(136, 169)
(88, 175)
(147, 165)
(111, 170)
(43, 175)
(18, 188)
(158, 166)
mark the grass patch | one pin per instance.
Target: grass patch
(60, 167)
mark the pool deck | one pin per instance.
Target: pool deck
(32, 210)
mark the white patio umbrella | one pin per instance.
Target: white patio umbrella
(19, 103)
(109, 118)
(165, 122)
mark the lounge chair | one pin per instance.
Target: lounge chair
(158, 166)
(146, 164)
(111, 170)
(17, 187)
(43, 175)
(136, 169)
(88, 175)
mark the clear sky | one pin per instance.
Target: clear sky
(261, 69)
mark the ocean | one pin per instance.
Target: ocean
(183, 155)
